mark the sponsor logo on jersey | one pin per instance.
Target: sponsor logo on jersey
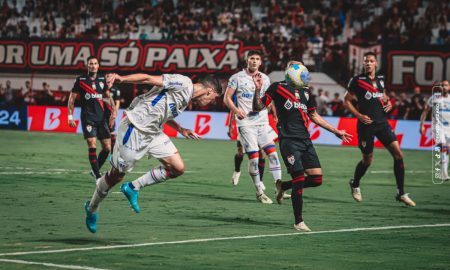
(296, 105)
(291, 159)
(175, 83)
(370, 95)
(288, 104)
(247, 95)
(88, 96)
(173, 109)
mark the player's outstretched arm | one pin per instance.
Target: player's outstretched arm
(316, 118)
(139, 78)
(423, 116)
(187, 133)
(70, 107)
(228, 100)
(349, 105)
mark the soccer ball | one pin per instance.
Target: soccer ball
(297, 76)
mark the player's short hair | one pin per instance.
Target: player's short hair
(370, 54)
(254, 52)
(213, 82)
(91, 57)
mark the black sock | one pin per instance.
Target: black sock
(102, 158)
(93, 161)
(237, 162)
(359, 173)
(297, 197)
(113, 140)
(285, 185)
(261, 166)
(313, 181)
(399, 171)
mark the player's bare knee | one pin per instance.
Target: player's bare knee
(177, 171)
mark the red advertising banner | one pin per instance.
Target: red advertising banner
(54, 56)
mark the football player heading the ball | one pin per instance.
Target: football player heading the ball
(295, 108)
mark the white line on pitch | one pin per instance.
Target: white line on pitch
(190, 241)
(407, 171)
(61, 172)
(65, 266)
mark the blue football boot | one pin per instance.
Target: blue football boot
(91, 218)
(132, 196)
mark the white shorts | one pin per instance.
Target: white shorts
(132, 144)
(253, 137)
(444, 136)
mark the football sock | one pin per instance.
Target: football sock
(285, 185)
(254, 171)
(101, 191)
(274, 165)
(313, 181)
(444, 162)
(237, 162)
(399, 171)
(297, 196)
(154, 176)
(102, 158)
(359, 173)
(113, 140)
(261, 167)
(93, 162)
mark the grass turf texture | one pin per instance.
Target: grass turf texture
(45, 180)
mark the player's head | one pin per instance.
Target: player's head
(370, 62)
(445, 86)
(92, 64)
(254, 60)
(293, 61)
(213, 90)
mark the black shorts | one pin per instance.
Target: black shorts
(366, 134)
(299, 154)
(95, 129)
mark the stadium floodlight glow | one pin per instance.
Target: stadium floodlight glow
(436, 127)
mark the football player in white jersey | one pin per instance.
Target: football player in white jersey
(254, 130)
(141, 134)
(443, 138)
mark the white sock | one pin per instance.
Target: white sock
(154, 176)
(444, 165)
(101, 191)
(274, 165)
(254, 173)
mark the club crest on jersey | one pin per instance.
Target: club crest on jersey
(94, 86)
(307, 95)
(382, 83)
(101, 85)
(297, 95)
(89, 128)
(291, 159)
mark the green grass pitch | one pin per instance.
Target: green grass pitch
(45, 180)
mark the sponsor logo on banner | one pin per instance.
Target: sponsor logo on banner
(202, 126)
(42, 118)
(426, 138)
(314, 131)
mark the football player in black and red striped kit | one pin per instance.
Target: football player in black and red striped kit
(372, 108)
(295, 106)
(91, 88)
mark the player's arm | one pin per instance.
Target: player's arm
(273, 110)
(316, 118)
(389, 106)
(423, 117)
(189, 134)
(349, 96)
(70, 108)
(228, 100)
(113, 116)
(139, 78)
(230, 125)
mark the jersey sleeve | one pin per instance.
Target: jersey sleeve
(351, 87)
(76, 86)
(176, 82)
(233, 82)
(311, 103)
(269, 94)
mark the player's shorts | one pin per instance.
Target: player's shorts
(444, 136)
(366, 134)
(95, 129)
(253, 137)
(133, 144)
(298, 154)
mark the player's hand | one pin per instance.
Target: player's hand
(72, 123)
(189, 134)
(422, 129)
(388, 107)
(240, 114)
(365, 119)
(230, 132)
(112, 78)
(343, 135)
(257, 79)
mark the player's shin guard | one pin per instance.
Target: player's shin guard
(101, 191)
(274, 162)
(102, 158)
(237, 162)
(399, 171)
(360, 170)
(297, 195)
(93, 161)
(313, 181)
(154, 176)
(254, 171)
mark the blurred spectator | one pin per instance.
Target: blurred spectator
(337, 105)
(322, 103)
(8, 94)
(417, 104)
(393, 114)
(28, 96)
(47, 96)
(403, 106)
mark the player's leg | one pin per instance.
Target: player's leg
(444, 162)
(238, 158)
(399, 171)
(311, 164)
(92, 154)
(365, 144)
(261, 165)
(104, 135)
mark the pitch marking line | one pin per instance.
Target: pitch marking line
(190, 241)
(64, 266)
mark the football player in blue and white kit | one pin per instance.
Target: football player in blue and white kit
(141, 134)
(442, 104)
(254, 130)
